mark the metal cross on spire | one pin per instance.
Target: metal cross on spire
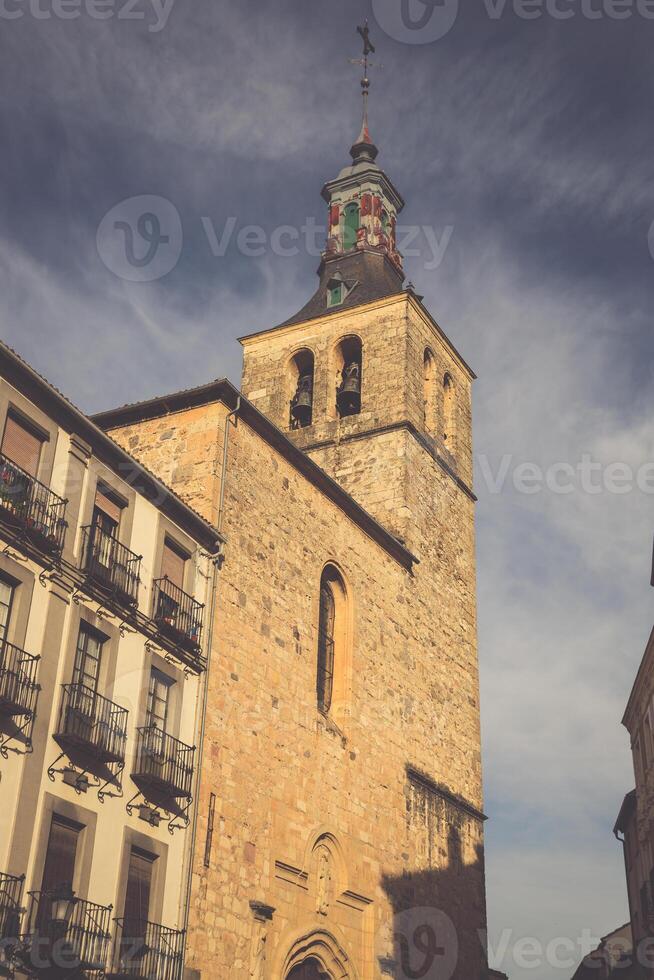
(368, 49)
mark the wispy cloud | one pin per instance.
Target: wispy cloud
(529, 139)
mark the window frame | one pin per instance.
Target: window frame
(79, 674)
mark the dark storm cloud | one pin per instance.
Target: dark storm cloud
(532, 139)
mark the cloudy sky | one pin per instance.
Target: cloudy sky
(526, 145)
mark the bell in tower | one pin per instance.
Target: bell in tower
(302, 403)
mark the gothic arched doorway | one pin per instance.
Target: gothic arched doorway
(309, 970)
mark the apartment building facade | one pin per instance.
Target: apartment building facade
(107, 580)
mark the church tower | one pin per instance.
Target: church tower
(362, 378)
(340, 814)
(367, 384)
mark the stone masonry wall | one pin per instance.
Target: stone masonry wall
(324, 819)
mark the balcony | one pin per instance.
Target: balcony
(178, 615)
(29, 508)
(111, 565)
(66, 935)
(11, 889)
(147, 951)
(18, 687)
(163, 766)
(92, 725)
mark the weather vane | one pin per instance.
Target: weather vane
(368, 49)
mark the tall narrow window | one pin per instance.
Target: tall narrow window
(139, 885)
(88, 656)
(106, 512)
(61, 854)
(326, 624)
(351, 225)
(158, 700)
(6, 602)
(137, 900)
(22, 445)
(448, 412)
(429, 392)
(333, 661)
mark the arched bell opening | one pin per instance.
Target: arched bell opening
(349, 364)
(301, 386)
(429, 392)
(449, 416)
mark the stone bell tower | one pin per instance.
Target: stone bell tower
(342, 757)
(362, 377)
(367, 384)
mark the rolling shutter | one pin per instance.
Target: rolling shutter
(172, 564)
(108, 506)
(21, 446)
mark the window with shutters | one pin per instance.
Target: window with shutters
(6, 601)
(351, 225)
(333, 641)
(88, 656)
(159, 700)
(173, 563)
(107, 511)
(61, 854)
(22, 444)
(137, 897)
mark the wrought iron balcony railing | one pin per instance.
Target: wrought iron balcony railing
(147, 951)
(18, 687)
(177, 614)
(28, 506)
(11, 890)
(78, 943)
(163, 765)
(92, 724)
(111, 565)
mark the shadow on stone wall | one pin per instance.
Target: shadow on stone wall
(439, 920)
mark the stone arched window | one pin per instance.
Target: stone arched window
(429, 392)
(449, 412)
(301, 389)
(351, 224)
(332, 639)
(349, 370)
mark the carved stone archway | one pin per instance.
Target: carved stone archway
(313, 949)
